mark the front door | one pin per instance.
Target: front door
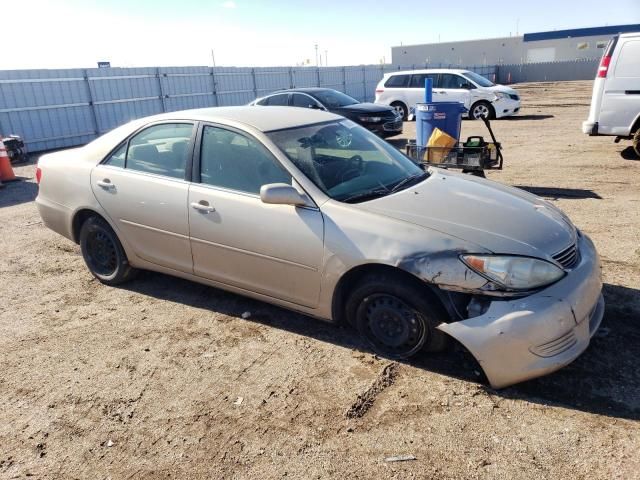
(275, 250)
(142, 188)
(450, 89)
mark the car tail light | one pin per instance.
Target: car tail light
(380, 90)
(604, 66)
(38, 175)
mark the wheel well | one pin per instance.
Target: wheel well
(398, 102)
(636, 126)
(350, 279)
(80, 217)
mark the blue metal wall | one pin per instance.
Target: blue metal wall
(64, 108)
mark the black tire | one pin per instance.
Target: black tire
(482, 108)
(103, 252)
(402, 108)
(636, 142)
(397, 317)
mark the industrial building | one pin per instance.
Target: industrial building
(558, 45)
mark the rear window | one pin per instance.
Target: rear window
(628, 63)
(397, 81)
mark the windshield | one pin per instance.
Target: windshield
(347, 162)
(479, 79)
(334, 99)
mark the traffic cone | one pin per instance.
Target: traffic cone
(6, 171)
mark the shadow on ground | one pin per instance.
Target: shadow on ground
(17, 192)
(527, 117)
(629, 154)
(603, 380)
(556, 193)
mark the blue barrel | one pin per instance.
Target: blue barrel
(447, 116)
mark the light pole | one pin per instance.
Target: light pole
(326, 59)
(316, 45)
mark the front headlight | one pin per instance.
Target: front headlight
(501, 95)
(514, 273)
(370, 119)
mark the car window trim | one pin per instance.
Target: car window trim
(188, 170)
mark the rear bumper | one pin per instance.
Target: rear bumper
(516, 340)
(590, 128)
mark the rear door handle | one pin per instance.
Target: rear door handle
(106, 183)
(203, 206)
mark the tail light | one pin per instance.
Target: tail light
(604, 66)
(380, 90)
(38, 175)
(603, 69)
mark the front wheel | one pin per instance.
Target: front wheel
(636, 143)
(482, 109)
(401, 108)
(396, 317)
(103, 252)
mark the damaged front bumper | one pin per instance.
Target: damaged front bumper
(519, 339)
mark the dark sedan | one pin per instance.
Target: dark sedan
(380, 119)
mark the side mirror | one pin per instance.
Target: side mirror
(281, 194)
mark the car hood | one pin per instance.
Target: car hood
(503, 89)
(363, 108)
(499, 218)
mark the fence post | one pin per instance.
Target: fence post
(318, 76)
(255, 84)
(92, 106)
(364, 83)
(291, 84)
(214, 92)
(162, 96)
(344, 79)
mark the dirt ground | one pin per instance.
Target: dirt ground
(162, 378)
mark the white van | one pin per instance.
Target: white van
(615, 101)
(402, 90)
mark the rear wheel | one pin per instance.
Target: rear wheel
(396, 317)
(482, 109)
(636, 142)
(402, 109)
(103, 252)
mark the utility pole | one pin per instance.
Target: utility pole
(316, 46)
(213, 58)
(326, 59)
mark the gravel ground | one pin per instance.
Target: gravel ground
(162, 378)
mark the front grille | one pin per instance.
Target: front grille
(514, 97)
(567, 257)
(555, 346)
(392, 126)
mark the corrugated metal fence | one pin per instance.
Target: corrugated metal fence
(63, 108)
(548, 71)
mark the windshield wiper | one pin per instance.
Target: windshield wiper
(369, 194)
(410, 179)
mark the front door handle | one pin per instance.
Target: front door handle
(106, 183)
(203, 206)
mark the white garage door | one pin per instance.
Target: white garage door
(537, 55)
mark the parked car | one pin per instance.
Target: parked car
(381, 120)
(307, 210)
(615, 102)
(402, 90)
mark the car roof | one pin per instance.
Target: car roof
(264, 119)
(429, 70)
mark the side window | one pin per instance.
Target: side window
(234, 161)
(263, 102)
(449, 80)
(397, 81)
(161, 149)
(304, 101)
(278, 100)
(117, 158)
(417, 80)
(628, 65)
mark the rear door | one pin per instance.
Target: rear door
(450, 88)
(621, 100)
(143, 190)
(416, 88)
(279, 99)
(236, 239)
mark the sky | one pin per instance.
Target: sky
(137, 33)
